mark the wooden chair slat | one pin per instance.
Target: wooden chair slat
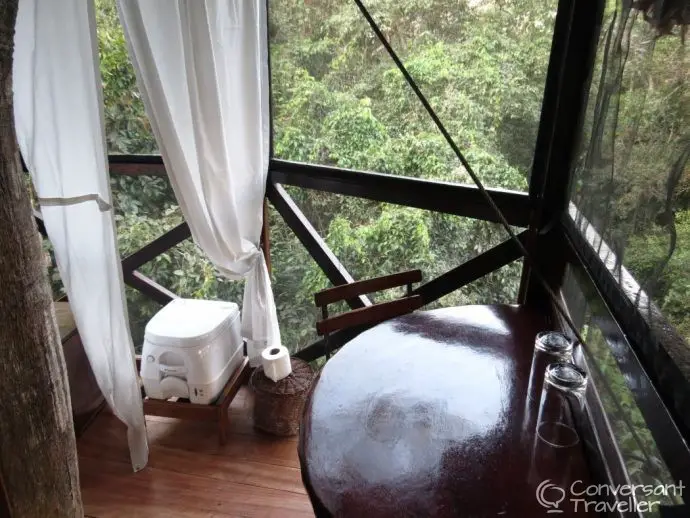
(353, 289)
(369, 315)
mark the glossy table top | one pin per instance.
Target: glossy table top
(427, 415)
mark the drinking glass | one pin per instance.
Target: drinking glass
(549, 347)
(556, 441)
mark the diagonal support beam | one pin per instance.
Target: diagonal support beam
(156, 247)
(149, 287)
(469, 271)
(312, 241)
(131, 276)
(335, 340)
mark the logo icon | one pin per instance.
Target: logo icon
(550, 496)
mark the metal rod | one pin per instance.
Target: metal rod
(458, 153)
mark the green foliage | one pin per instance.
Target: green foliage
(671, 286)
(127, 127)
(398, 239)
(634, 439)
(339, 100)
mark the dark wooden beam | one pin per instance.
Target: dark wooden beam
(265, 239)
(571, 62)
(148, 287)
(136, 165)
(312, 241)
(469, 271)
(335, 341)
(4, 506)
(462, 200)
(449, 198)
(156, 247)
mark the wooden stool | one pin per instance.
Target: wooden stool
(216, 412)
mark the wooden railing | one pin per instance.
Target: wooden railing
(551, 239)
(447, 198)
(441, 197)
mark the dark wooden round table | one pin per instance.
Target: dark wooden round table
(423, 415)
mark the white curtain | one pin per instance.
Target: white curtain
(59, 124)
(202, 70)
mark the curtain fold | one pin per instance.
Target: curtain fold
(59, 125)
(202, 69)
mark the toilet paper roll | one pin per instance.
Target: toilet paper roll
(276, 362)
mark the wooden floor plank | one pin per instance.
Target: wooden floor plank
(189, 474)
(113, 484)
(199, 438)
(205, 465)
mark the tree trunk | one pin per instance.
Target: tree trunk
(38, 460)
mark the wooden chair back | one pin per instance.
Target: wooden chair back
(371, 314)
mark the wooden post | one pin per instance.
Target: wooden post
(38, 457)
(266, 237)
(573, 54)
(4, 509)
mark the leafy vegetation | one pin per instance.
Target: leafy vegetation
(631, 182)
(633, 172)
(339, 100)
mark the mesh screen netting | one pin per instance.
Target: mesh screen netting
(632, 177)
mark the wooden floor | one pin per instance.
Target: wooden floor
(189, 474)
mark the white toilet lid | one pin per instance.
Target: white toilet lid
(186, 322)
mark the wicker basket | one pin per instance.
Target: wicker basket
(278, 406)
